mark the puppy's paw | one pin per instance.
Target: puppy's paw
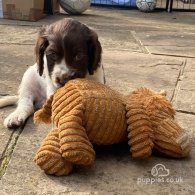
(15, 120)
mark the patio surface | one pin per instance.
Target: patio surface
(155, 50)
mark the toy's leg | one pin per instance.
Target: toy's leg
(140, 133)
(171, 139)
(49, 157)
(75, 145)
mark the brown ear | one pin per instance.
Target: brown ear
(40, 47)
(94, 53)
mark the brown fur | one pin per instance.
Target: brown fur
(73, 41)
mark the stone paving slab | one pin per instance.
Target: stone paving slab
(15, 59)
(185, 97)
(22, 34)
(187, 122)
(115, 17)
(125, 73)
(169, 43)
(114, 172)
(118, 40)
(172, 51)
(4, 133)
(127, 67)
(24, 177)
(159, 38)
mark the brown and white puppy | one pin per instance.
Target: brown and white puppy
(64, 50)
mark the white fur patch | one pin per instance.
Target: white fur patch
(8, 100)
(98, 75)
(58, 70)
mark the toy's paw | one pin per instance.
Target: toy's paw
(74, 143)
(49, 157)
(78, 152)
(53, 164)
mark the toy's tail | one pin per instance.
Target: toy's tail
(8, 101)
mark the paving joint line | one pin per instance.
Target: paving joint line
(185, 112)
(19, 24)
(140, 44)
(9, 149)
(173, 55)
(177, 84)
(4, 94)
(8, 43)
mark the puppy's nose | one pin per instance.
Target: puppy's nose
(63, 79)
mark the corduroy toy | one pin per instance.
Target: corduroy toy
(86, 112)
(151, 124)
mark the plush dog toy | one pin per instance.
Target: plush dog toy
(86, 112)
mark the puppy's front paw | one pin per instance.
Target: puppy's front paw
(15, 120)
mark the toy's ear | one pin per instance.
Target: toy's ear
(139, 128)
(44, 114)
(163, 92)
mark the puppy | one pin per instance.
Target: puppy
(64, 50)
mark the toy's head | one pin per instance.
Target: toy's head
(151, 125)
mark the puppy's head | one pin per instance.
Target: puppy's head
(66, 50)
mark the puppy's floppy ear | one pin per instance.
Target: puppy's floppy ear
(94, 53)
(40, 47)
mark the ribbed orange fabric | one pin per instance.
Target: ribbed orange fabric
(44, 114)
(49, 157)
(140, 130)
(86, 112)
(171, 139)
(151, 123)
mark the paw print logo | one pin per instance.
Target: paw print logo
(159, 170)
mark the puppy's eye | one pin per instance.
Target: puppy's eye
(52, 56)
(78, 57)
